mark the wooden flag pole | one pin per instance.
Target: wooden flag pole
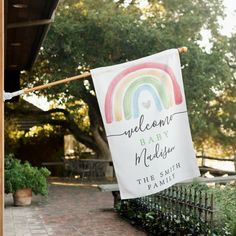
(82, 76)
(77, 77)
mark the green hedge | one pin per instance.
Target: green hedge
(160, 222)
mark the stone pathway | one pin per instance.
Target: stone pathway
(68, 210)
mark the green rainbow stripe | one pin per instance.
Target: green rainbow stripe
(129, 94)
(139, 75)
(166, 86)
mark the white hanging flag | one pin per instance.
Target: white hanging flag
(144, 111)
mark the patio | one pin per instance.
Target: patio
(70, 209)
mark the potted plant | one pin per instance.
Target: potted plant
(21, 179)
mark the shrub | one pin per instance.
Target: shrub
(162, 221)
(23, 175)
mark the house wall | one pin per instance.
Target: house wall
(36, 151)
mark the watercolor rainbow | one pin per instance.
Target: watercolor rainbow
(121, 101)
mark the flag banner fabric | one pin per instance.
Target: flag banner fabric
(144, 111)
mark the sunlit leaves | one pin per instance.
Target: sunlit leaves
(79, 110)
(35, 131)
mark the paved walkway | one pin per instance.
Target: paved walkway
(68, 210)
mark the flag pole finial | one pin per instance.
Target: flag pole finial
(182, 50)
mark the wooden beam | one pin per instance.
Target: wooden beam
(215, 158)
(29, 23)
(1, 118)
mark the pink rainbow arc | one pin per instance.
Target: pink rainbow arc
(121, 75)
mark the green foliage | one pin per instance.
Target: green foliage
(22, 175)
(16, 134)
(225, 204)
(89, 34)
(162, 221)
(159, 222)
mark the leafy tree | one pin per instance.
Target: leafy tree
(89, 34)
